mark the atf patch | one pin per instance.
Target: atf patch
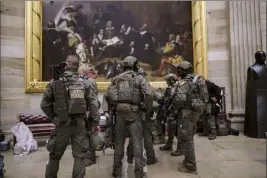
(124, 84)
(76, 94)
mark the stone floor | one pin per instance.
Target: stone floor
(225, 157)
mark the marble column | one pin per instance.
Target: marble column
(263, 19)
(245, 40)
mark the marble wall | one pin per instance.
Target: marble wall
(14, 100)
(218, 46)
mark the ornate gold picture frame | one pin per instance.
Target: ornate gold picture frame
(33, 46)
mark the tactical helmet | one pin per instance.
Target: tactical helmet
(185, 65)
(171, 76)
(184, 68)
(158, 93)
(129, 61)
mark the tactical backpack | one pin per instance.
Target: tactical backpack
(197, 104)
(69, 99)
(124, 90)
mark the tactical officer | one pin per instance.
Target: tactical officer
(126, 92)
(65, 102)
(209, 113)
(90, 157)
(147, 127)
(171, 80)
(159, 136)
(190, 99)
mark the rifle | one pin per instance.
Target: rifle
(59, 88)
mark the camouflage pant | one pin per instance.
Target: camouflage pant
(91, 152)
(186, 129)
(148, 144)
(58, 143)
(108, 133)
(159, 126)
(172, 131)
(132, 122)
(208, 120)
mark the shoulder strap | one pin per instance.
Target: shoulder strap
(195, 79)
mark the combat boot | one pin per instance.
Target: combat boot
(89, 162)
(166, 147)
(204, 133)
(212, 135)
(145, 175)
(176, 153)
(115, 175)
(159, 140)
(152, 162)
(130, 160)
(184, 169)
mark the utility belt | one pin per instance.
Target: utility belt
(72, 121)
(126, 107)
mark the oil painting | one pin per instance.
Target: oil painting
(102, 34)
(160, 34)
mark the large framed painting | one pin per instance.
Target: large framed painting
(160, 34)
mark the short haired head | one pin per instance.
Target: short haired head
(72, 63)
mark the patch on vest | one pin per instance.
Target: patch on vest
(76, 94)
(124, 84)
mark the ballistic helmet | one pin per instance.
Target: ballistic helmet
(129, 61)
(184, 65)
(170, 76)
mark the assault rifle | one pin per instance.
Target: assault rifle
(164, 105)
(59, 88)
(57, 70)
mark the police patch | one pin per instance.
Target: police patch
(124, 84)
(76, 94)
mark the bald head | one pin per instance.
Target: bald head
(72, 63)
